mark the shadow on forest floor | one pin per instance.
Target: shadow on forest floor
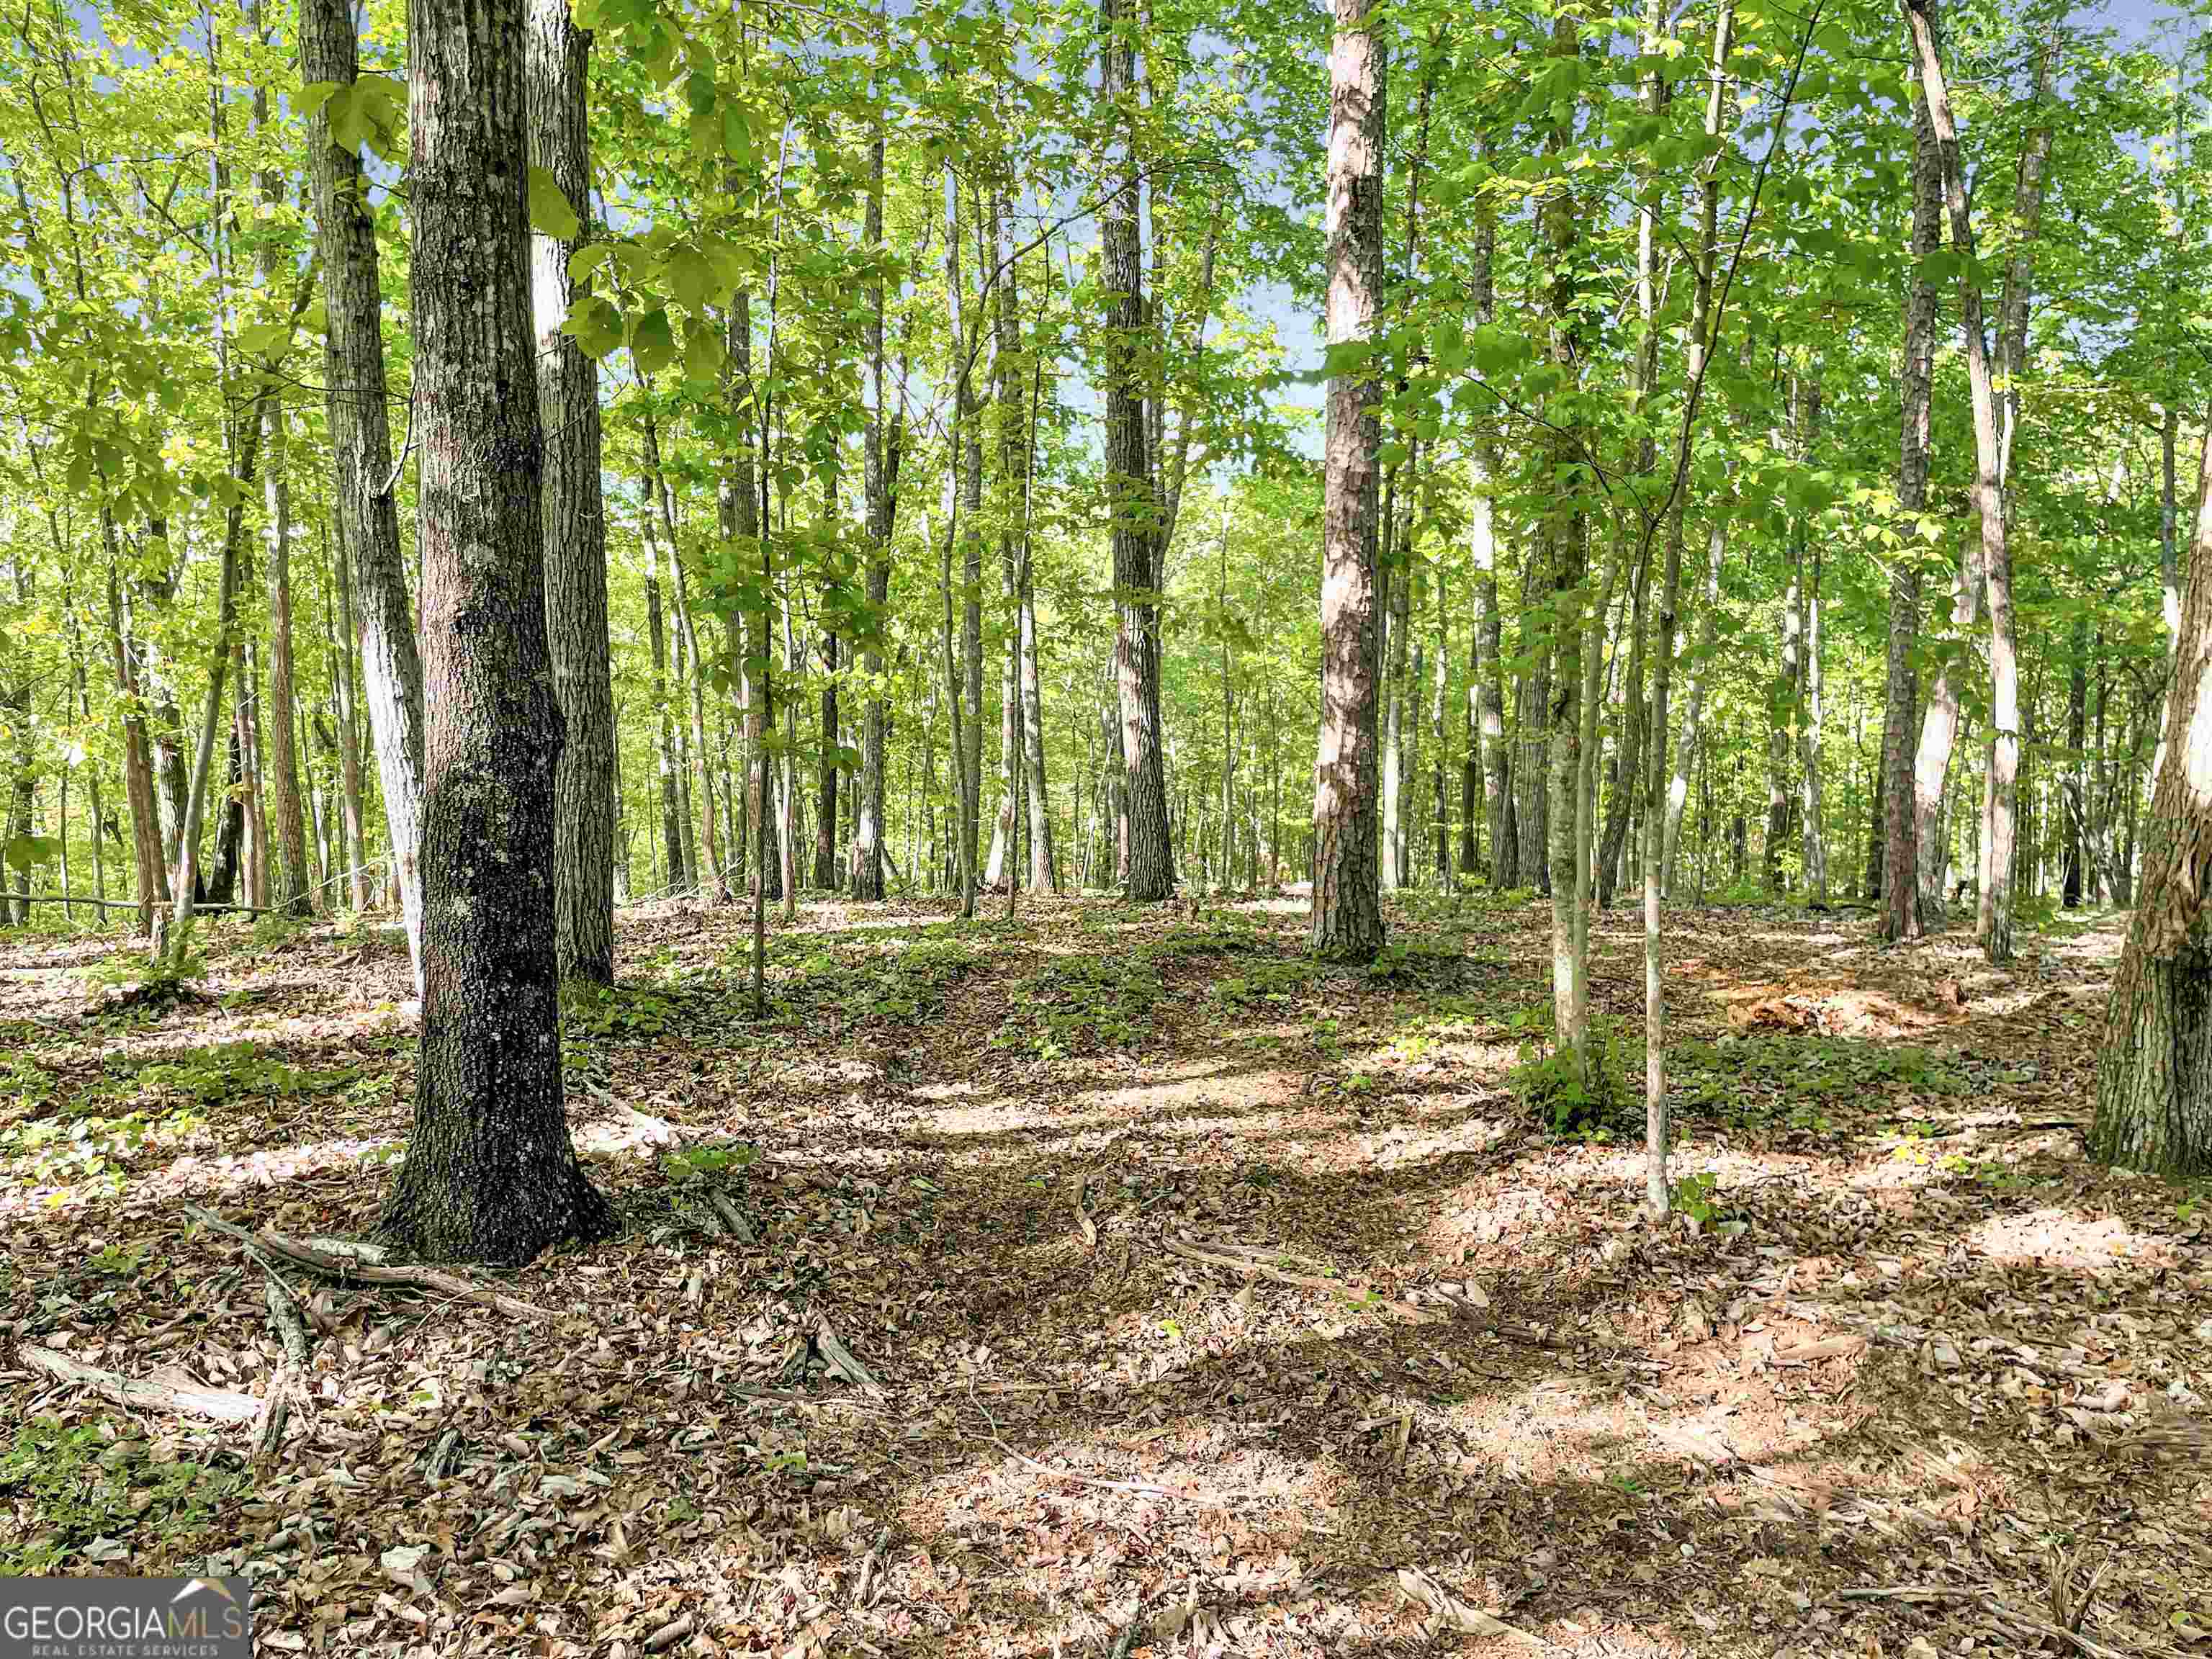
(1913, 1340)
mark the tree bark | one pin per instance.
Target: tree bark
(491, 1174)
(880, 486)
(1989, 493)
(1348, 912)
(1901, 917)
(556, 65)
(361, 447)
(1130, 479)
(2154, 1069)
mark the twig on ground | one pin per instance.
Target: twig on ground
(223, 1405)
(1247, 1264)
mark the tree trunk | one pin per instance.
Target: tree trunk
(1487, 657)
(1348, 913)
(345, 689)
(490, 1173)
(1901, 916)
(1988, 492)
(1130, 485)
(1567, 529)
(1812, 807)
(671, 813)
(879, 485)
(2076, 886)
(2154, 1069)
(361, 447)
(556, 63)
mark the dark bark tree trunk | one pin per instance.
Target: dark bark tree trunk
(490, 1173)
(361, 447)
(1488, 657)
(1130, 487)
(557, 58)
(2154, 1070)
(1347, 909)
(1900, 877)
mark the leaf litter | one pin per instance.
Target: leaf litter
(1224, 1304)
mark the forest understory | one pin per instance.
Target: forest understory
(1104, 1283)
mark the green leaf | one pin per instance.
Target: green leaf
(586, 260)
(550, 212)
(652, 342)
(594, 324)
(704, 352)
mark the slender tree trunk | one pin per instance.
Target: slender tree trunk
(1568, 530)
(152, 870)
(361, 447)
(672, 815)
(1901, 916)
(879, 483)
(490, 1173)
(1988, 492)
(1347, 915)
(344, 691)
(557, 65)
(1488, 656)
(1812, 808)
(1130, 480)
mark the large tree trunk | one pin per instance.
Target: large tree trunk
(1348, 910)
(1130, 485)
(1901, 917)
(361, 449)
(1989, 493)
(490, 1173)
(2154, 1070)
(557, 58)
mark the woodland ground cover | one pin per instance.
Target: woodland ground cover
(1206, 1299)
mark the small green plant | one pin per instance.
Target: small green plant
(147, 979)
(1264, 985)
(82, 1482)
(1694, 1196)
(1573, 1095)
(690, 1163)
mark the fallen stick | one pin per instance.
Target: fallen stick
(276, 1404)
(347, 1270)
(733, 1218)
(1307, 1281)
(223, 1405)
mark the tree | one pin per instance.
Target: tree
(491, 1174)
(1129, 476)
(1347, 905)
(557, 57)
(1988, 496)
(2154, 1068)
(364, 478)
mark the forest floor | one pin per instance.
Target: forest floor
(1211, 1301)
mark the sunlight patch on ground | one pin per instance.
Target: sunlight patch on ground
(2057, 1237)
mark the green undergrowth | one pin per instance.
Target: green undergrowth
(1079, 1005)
(67, 1130)
(1798, 1082)
(91, 1486)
